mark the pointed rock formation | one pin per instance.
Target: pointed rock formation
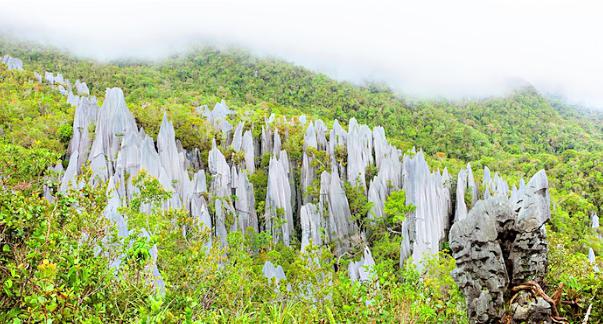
(311, 226)
(279, 214)
(334, 203)
(502, 242)
(12, 63)
(428, 223)
(481, 272)
(245, 205)
(271, 272)
(360, 152)
(363, 270)
(220, 189)
(81, 88)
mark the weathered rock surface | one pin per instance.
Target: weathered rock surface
(245, 205)
(530, 309)
(363, 270)
(481, 272)
(360, 152)
(427, 225)
(272, 272)
(81, 88)
(279, 214)
(529, 252)
(465, 186)
(311, 226)
(502, 243)
(333, 201)
(12, 63)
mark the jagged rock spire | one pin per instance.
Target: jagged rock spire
(333, 201)
(363, 270)
(360, 152)
(279, 214)
(311, 226)
(245, 205)
(12, 63)
(503, 242)
(427, 225)
(220, 189)
(465, 182)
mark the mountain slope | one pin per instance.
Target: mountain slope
(515, 135)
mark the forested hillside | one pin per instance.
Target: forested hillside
(47, 273)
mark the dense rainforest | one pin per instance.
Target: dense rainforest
(47, 274)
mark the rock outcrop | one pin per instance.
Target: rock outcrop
(279, 214)
(363, 270)
(273, 273)
(425, 229)
(12, 63)
(311, 226)
(502, 243)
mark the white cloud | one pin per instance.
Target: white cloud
(421, 48)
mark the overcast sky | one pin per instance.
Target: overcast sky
(424, 48)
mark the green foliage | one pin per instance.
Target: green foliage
(395, 207)
(22, 168)
(581, 285)
(64, 133)
(359, 204)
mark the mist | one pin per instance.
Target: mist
(421, 49)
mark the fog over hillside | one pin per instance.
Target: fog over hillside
(429, 48)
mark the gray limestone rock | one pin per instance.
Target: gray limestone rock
(279, 214)
(12, 63)
(527, 308)
(334, 203)
(429, 194)
(321, 131)
(276, 144)
(151, 268)
(363, 270)
(49, 77)
(592, 259)
(481, 272)
(237, 139)
(38, 77)
(310, 137)
(173, 161)
(248, 149)
(461, 207)
(529, 251)
(311, 226)
(338, 144)
(245, 205)
(388, 179)
(81, 88)
(273, 272)
(360, 152)
(502, 242)
(58, 79)
(70, 176)
(465, 185)
(218, 116)
(221, 190)
(307, 176)
(71, 98)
